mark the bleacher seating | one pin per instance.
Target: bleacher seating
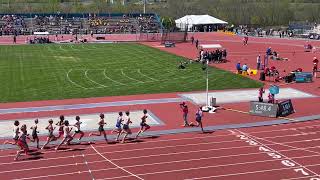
(84, 24)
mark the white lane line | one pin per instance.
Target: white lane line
(86, 75)
(161, 147)
(135, 157)
(131, 77)
(283, 144)
(254, 138)
(208, 177)
(53, 175)
(139, 71)
(43, 167)
(184, 152)
(107, 77)
(115, 164)
(301, 178)
(160, 163)
(74, 83)
(285, 129)
(250, 172)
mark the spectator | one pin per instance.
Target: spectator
(238, 67)
(269, 51)
(197, 44)
(245, 69)
(271, 98)
(261, 92)
(185, 112)
(258, 62)
(192, 39)
(315, 66)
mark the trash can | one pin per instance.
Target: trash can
(213, 101)
(262, 76)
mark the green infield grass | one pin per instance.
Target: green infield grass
(44, 72)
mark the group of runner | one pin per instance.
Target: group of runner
(65, 130)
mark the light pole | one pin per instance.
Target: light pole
(208, 108)
(207, 90)
(144, 6)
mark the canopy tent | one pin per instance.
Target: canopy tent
(193, 20)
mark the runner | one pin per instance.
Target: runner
(143, 125)
(50, 136)
(118, 126)
(22, 142)
(78, 131)
(15, 134)
(126, 129)
(199, 115)
(35, 132)
(60, 124)
(66, 134)
(101, 129)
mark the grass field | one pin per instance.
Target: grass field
(43, 72)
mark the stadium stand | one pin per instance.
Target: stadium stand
(26, 24)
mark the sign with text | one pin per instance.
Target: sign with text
(285, 108)
(263, 109)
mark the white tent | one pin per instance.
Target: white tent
(192, 20)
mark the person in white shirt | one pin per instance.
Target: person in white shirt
(66, 135)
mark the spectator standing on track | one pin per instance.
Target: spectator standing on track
(14, 39)
(185, 112)
(66, 135)
(77, 126)
(261, 92)
(258, 62)
(238, 67)
(245, 40)
(315, 66)
(271, 98)
(143, 125)
(50, 136)
(197, 44)
(192, 39)
(269, 51)
(101, 129)
(35, 132)
(118, 125)
(199, 115)
(16, 133)
(126, 126)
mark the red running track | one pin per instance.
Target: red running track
(275, 152)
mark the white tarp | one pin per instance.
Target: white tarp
(41, 33)
(210, 46)
(191, 20)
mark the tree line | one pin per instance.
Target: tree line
(251, 12)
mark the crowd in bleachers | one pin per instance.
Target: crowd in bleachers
(62, 24)
(147, 23)
(251, 31)
(11, 24)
